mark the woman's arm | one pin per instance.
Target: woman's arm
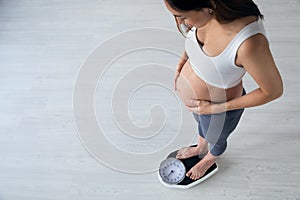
(180, 65)
(182, 61)
(255, 56)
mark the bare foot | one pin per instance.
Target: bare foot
(188, 152)
(201, 167)
(200, 150)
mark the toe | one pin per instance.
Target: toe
(189, 174)
(194, 177)
(179, 153)
(179, 156)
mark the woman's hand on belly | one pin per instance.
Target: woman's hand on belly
(204, 107)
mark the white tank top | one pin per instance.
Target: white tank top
(220, 71)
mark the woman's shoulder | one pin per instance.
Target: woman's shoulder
(253, 47)
(254, 43)
(257, 36)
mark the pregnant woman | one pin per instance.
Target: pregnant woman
(224, 40)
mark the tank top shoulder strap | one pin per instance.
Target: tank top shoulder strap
(245, 33)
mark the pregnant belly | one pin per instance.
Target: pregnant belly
(191, 86)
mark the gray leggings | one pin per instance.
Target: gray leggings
(216, 128)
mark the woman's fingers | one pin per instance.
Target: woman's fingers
(177, 74)
(199, 106)
(193, 103)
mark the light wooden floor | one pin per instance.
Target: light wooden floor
(42, 45)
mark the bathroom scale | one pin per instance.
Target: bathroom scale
(172, 171)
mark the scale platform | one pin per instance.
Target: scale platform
(187, 183)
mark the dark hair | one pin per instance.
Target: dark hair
(225, 10)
